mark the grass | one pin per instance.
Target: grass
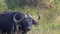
(49, 22)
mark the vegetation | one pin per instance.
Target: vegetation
(49, 11)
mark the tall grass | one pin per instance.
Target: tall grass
(50, 19)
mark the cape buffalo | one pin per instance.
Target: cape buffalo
(14, 21)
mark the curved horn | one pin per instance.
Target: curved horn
(38, 16)
(27, 12)
(14, 18)
(17, 21)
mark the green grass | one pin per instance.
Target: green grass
(49, 22)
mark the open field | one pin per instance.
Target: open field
(50, 18)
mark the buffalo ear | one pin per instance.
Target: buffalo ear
(34, 23)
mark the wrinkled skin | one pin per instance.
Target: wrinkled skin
(7, 23)
(25, 25)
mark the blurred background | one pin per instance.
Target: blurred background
(49, 11)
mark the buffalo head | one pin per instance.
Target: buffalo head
(26, 21)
